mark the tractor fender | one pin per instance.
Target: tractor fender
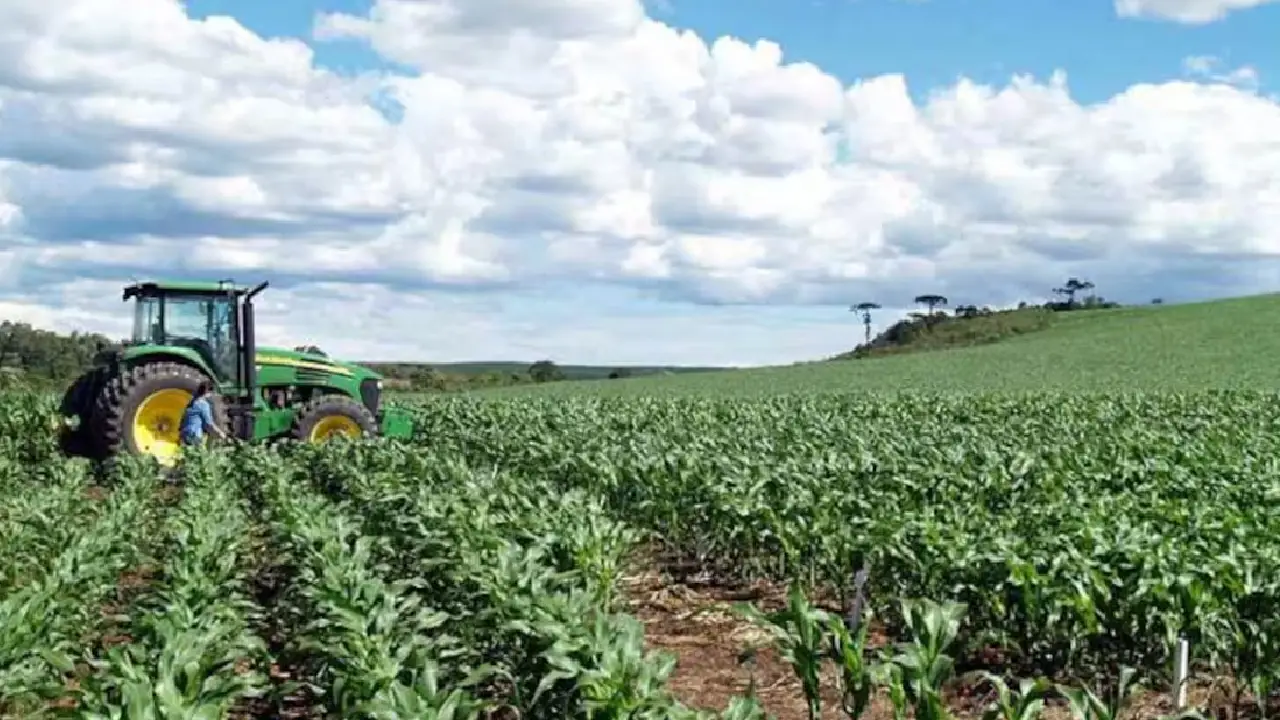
(182, 356)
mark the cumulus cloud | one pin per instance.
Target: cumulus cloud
(577, 143)
(1189, 12)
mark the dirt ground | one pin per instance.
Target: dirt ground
(697, 625)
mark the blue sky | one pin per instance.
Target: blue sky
(933, 42)
(575, 179)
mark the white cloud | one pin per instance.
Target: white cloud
(1190, 12)
(1209, 67)
(580, 142)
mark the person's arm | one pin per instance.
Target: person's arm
(206, 418)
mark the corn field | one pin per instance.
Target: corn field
(1046, 548)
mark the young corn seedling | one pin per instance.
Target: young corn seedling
(848, 648)
(857, 677)
(621, 680)
(1086, 705)
(798, 633)
(1026, 705)
(892, 678)
(925, 667)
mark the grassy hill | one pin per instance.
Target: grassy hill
(1221, 344)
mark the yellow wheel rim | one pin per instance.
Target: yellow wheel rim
(156, 424)
(334, 426)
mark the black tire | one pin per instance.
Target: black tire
(319, 408)
(118, 402)
(77, 402)
(76, 443)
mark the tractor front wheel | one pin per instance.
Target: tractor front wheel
(331, 416)
(140, 411)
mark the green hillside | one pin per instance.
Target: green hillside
(1222, 344)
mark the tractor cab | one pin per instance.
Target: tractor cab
(208, 326)
(206, 321)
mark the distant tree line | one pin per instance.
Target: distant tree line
(968, 324)
(31, 356)
(418, 377)
(414, 377)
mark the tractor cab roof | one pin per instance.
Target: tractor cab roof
(184, 287)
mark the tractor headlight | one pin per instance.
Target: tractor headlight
(379, 385)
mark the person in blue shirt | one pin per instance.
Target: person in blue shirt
(197, 419)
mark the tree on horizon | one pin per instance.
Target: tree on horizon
(1073, 286)
(865, 308)
(931, 301)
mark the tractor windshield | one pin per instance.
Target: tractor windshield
(202, 323)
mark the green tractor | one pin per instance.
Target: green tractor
(133, 398)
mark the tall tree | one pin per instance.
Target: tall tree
(1073, 286)
(545, 371)
(865, 308)
(931, 301)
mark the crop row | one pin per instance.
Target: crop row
(191, 649)
(47, 618)
(375, 642)
(36, 526)
(476, 590)
(1077, 530)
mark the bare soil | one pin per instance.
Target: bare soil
(696, 624)
(97, 493)
(289, 696)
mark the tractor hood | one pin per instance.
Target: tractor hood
(284, 356)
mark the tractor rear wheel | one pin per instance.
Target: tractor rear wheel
(140, 411)
(77, 402)
(330, 416)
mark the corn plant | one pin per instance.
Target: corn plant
(382, 649)
(1026, 704)
(923, 663)
(857, 672)
(1087, 705)
(41, 520)
(192, 651)
(799, 633)
(529, 578)
(44, 624)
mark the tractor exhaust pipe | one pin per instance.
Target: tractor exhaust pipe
(248, 362)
